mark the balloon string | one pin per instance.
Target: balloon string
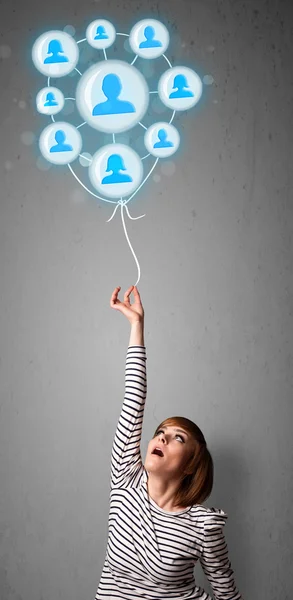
(122, 203)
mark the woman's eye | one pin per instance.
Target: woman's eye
(177, 434)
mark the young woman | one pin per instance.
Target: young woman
(158, 529)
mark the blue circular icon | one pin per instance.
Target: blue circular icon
(112, 96)
(162, 139)
(180, 88)
(55, 53)
(149, 38)
(60, 143)
(100, 34)
(116, 170)
(49, 101)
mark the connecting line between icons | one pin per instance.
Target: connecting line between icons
(135, 58)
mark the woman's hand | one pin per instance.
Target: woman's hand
(133, 313)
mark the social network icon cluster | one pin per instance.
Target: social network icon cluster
(112, 96)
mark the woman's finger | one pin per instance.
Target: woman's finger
(127, 294)
(115, 295)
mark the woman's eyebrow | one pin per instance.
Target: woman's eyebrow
(176, 430)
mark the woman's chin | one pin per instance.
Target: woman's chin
(153, 461)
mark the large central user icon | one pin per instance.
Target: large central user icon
(112, 96)
(112, 89)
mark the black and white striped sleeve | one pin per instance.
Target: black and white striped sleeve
(214, 558)
(126, 457)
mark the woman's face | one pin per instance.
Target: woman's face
(176, 446)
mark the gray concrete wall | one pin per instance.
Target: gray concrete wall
(215, 253)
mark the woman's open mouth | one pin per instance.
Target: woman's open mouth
(158, 452)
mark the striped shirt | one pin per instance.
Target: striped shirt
(151, 552)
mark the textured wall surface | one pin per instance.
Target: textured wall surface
(215, 252)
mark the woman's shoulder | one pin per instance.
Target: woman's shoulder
(212, 515)
(214, 518)
(209, 510)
